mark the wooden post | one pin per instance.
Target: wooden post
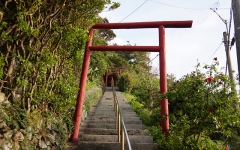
(226, 41)
(106, 78)
(163, 81)
(81, 93)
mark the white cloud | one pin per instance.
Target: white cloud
(118, 41)
(211, 21)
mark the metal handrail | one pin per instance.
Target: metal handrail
(123, 128)
(120, 125)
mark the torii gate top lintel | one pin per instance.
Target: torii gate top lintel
(137, 25)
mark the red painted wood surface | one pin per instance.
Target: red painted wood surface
(125, 48)
(81, 93)
(106, 77)
(136, 25)
(163, 80)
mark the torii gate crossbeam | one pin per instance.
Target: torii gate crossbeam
(161, 25)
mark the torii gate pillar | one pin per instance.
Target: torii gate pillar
(163, 80)
(81, 92)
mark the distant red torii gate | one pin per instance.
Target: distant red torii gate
(112, 68)
(161, 25)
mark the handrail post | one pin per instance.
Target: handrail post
(116, 113)
(122, 138)
(119, 128)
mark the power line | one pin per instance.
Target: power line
(215, 51)
(182, 7)
(154, 58)
(178, 6)
(134, 11)
(217, 5)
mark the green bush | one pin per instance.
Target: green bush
(15, 117)
(126, 82)
(203, 112)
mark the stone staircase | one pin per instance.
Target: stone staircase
(98, 131)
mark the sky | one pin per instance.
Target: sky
(184, 47)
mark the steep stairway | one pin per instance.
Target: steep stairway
(98, 131)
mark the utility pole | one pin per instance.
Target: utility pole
(236, 17)
(227, 48)
(226, 43)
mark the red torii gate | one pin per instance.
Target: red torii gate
(112, 68)
(161, 25)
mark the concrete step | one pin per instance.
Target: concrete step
(113, 121)
(113, 114)
(114, 138)
(112, 108)
(103, 109)
(105, 104)
(104, 122)
(106, 118)
(99, 131)
(90, 145)
(101, 124)
(113, 126)
(112, 103)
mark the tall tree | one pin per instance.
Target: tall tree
(41, 45)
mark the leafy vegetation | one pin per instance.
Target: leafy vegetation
(126, 82)
(42, 45)
(203, 111)
(92, 99)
